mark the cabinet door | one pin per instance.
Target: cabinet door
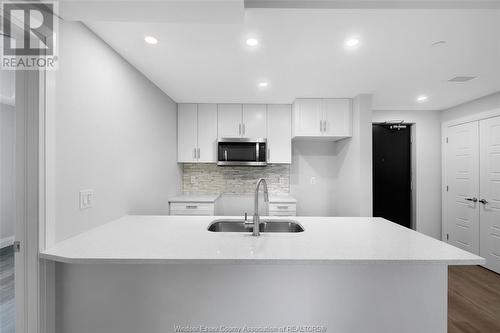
(254, 121)
(279, 133)
(229, 120)
(462, 173)
(307, 117)
(489, 210)
(186, 132)
(337, 115)
(207, 133)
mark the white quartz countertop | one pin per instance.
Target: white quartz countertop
(185, 239)
(195, 198)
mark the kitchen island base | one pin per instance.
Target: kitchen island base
(349, 297)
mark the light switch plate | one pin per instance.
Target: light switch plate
(86, 199)
(313, 180)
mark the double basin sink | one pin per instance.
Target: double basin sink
(285, 226)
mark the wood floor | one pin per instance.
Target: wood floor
(7, 314)
(473, 300)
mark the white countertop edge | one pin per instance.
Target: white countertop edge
(67, 260)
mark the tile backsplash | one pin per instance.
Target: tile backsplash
(210, 178)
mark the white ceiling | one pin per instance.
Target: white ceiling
(301, 54)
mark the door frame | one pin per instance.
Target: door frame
(444, 135)
(33, 294)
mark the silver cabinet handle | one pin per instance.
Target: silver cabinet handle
(282, 207)
(321, 125)
(474, 199)
(243, 129)
(198, 152)
(191, 206)
(239, 131)
(268, 154)
(194, 153)
(483, 201)
(324, 125)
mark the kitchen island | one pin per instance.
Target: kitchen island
(168, 273)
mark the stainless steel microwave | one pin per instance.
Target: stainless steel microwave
(241, 151)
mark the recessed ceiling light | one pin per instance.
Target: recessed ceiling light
(151, 40)
(422, 98)
(352, 42)
(252, 42)
(263, 84)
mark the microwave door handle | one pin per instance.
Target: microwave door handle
(225, 155)
(257, 152)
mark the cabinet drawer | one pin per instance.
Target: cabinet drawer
(191, 208)
(283, 207)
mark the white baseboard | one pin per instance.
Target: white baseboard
(7, 241)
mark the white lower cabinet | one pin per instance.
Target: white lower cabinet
(282, 207)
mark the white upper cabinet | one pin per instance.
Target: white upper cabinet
(229, 121)
(187, 132)
(196, 133)
(279, 134)
(307, 117)
(242, 121)
(254, 123)
(337, 117)
(322, 118)
(207, 133)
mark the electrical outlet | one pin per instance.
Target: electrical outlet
(86, 199)
(193, 180)
(313, 180)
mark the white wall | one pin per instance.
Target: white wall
(483, 104)
(318, 160)
(354, 164)
(7, 174)
(427, 141)
(115, 133)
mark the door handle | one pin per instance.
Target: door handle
(483, 201)
(474, 199)
(243, 129)
(324, 125)
(194, 153)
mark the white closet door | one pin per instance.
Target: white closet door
(490, 192)
(462, 160)
(207, 133)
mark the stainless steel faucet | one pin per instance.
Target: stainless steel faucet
(256, 217)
